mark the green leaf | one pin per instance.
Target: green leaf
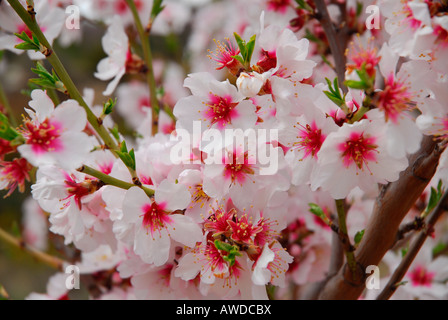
(440, 247)
(303, 5)
(128, 157)
(28, 43)
(358, 236)
(108, 107)
(434, 197)
(246, 49)
(114, 131)
(359, 7)
(6, 131)
(46, 79)
(156, 8)
(338, 101)
(241, 44)
(360, 85)
(220, 245)
(250, 48)
(316, 210)
(404, 251)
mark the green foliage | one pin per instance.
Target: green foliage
(232, 251)
(47, 80)
(434, 198)
(28, 43)
(128, 157)
(358, 236)
(6, 131)
(246, 49)
(108, 107)
(334, 94)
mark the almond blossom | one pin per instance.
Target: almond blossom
(53, 134)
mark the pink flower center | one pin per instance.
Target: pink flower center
(310, 139)
(143, 103)
(394, 99)
(155, 217)
(16, 172)
(238, 169)
(43, 137)
(421, 277)
(363, 57)
(77, 190)
(410, 19)
(279, 5)
(267, 61)
(442, 36)
(243, 231)
(121, 7)
(221, 110)
(224, 55)
(218, 222)
(358, 149)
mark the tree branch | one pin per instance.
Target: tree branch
(49, 260)
(415, 247)
(336, 40)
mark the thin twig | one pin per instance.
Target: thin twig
(415, 247)
(147, 56)
(336, 41)
(49, 260)
(107, 179)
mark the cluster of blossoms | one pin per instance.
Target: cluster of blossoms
(219, 221)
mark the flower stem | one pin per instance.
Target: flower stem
(59, 68)
(343, 234)
(147, 56)
(113, 181)
(49, 260)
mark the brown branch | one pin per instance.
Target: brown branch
(415, 247)
(392, 205)
(337, 40)
(49, 260)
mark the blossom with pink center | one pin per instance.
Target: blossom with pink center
(405, 21)
(283, 55)
(14, 174)
(394, 98)
(155, 223)
(279, 5)
(74, 202)
(420, 276)
(50, 18)
(224, 56)
(361, 55)
(304, 136)
(356, 156)
(208, 261)
(271, 265)
(395, 101)
(425, 278)
(216, 104)
(54, 135)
